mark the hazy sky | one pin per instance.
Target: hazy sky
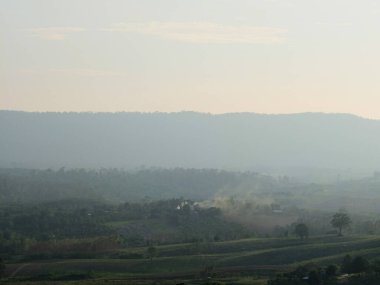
(213, 56)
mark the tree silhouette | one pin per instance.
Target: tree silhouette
(359, 264)
(151, 252)
(340, 221)
(346, 264)
(302, 231)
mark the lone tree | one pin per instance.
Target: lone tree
(151, 252)
(340, 220)
(302, 231)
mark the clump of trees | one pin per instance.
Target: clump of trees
(307, 274)
(354, 265)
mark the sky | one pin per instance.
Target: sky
(214, 56)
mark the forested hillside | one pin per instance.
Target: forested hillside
(241, 141)
(212, 187)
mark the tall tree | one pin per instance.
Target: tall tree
(302, 231)
(151, 252)
(341, 220)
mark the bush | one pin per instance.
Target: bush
(357, 265)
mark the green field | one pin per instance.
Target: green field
(249, 257)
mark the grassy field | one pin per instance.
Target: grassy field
(176, 263)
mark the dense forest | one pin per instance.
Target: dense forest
(215, 186)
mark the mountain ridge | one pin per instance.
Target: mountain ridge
(244, 141)
(190, 112)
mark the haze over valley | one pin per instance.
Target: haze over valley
(202, 142)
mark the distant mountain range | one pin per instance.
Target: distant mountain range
(239, 141)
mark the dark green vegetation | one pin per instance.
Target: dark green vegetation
(52, 233)
(38, 229)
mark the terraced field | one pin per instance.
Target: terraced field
(187, 261)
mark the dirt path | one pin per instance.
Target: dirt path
(18, 269)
